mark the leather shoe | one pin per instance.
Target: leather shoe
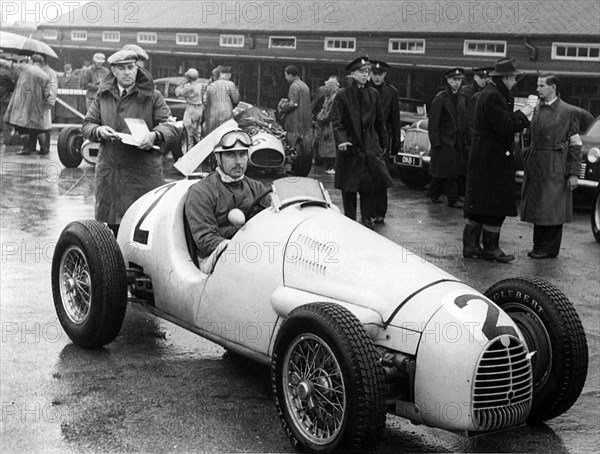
(368, 222)
(457, 204)
(541, 255)
(435, 200)
(23, 152)
(379, 219)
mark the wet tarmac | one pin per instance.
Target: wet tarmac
(158, 388)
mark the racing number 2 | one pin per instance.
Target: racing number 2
(140, 235)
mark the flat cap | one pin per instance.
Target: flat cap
(483, 72)
(379, 66)
(455, 72)
(122, 56)
(99, 57)
(141, 53)
(358, 63)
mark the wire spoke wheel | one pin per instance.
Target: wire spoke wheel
(314, 389)
(75, 285)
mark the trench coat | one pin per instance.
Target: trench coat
(490, 189)
(554, 155)
(33, 98)
(361, 123)
(388, 94)
(221, 98)
(124, 172)
(447, 135)
(325, 142)
(298, 113)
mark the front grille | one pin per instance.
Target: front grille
(267, 157)
(583, 169)
(502, 389)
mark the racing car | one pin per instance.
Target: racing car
(308, 292)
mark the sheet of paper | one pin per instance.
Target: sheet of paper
(138, 129)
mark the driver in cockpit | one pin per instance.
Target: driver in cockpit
(209, 201)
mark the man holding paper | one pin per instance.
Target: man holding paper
(125, 172)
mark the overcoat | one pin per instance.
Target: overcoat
(221, 97)
(554, 155)
(124, 172)
(298, 115)
(358, 119)
(490, 187)
(34, 95)
(447, 135)
(388, 94)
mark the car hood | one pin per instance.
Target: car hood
(333, 256)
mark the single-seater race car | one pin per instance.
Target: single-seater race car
(307, 291)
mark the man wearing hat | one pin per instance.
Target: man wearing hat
(360, 137)
(209, 201)
(221, 98)
(192, 91)
(447, 137)
(490, 191)
(92, 77)
(126, 172)
(391, 117)
(481, 77)
(142, 55)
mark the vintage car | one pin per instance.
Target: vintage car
(351, 324)
(411, 110)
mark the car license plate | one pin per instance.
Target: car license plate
(408, 160)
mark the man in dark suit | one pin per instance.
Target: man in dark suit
(360, 137)
(391, 118)
(447, 137)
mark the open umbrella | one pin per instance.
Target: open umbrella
(22, 45)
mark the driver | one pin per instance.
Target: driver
(210, 200)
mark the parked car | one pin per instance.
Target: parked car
(351, 325)
(412, 110)
(413, 160)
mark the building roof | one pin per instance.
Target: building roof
(423, 17)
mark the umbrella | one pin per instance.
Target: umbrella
(21, 45)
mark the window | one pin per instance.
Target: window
(186, 39)
(231, 41)
(113, 37)
(146, 37)
(485, 48)
(340, 44)
(282, 42)
(407, 46)
(49, 34)
(79, 35)
(574, 51)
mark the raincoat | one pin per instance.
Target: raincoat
(221, 98)
(124, 172)
(298, 115)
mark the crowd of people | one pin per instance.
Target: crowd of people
(352, 130)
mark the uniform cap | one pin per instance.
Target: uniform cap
(358, 63)
(455, 72)
(379, 66)
(483, 72)
(99, 57)
(122, 56)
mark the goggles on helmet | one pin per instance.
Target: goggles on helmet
(231, 138)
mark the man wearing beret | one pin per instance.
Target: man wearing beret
(360, 137)
(447, 137)
(126, 172)
(391, 117)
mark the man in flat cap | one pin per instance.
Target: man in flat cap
(126, 172)
(92, 77)
(490, 190)
(360, 137)
(447, 137)
(391, 118)
(142, 55)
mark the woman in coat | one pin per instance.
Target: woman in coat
(490, 191)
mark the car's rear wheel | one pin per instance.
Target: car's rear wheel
(552, 329)
(89, 283)
(69, 146)
(303, 161)
(413, 179)
(595, 214)
(327, 381)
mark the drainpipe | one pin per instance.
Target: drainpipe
(533, 49)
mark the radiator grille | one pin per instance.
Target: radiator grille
(502, 389)
(583, 169)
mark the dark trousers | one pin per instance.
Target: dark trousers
(34, 135)
(367, 204)
(381, 203)
(495, 221)
(448, 186)
(547, 238)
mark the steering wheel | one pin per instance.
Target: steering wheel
(253, 206)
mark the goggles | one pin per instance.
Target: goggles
(231, 138)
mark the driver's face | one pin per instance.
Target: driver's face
(233, 162)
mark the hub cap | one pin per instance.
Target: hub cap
(75, 285)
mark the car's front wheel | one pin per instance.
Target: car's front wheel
(327, 381)
(69, 146)
(552, 329)
(595, 214)
(89, 284)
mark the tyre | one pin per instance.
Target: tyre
(595, 214)
(303, 160)
(69, 146)
(89, 284)
(413, 179)
(327, 381)
(552, 329)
